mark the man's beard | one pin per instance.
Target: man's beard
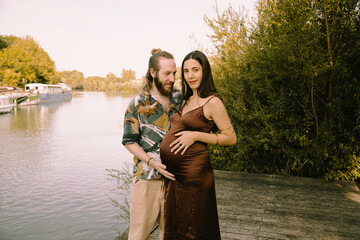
(160, 87)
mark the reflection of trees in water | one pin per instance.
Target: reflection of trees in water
(122, 184)
(34, 119)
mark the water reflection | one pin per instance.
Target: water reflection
(34, 119)
(53, 161)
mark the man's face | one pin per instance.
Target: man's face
(165, 78)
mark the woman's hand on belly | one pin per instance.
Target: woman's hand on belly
(183, 142)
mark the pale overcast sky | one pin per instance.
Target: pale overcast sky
(98, 37)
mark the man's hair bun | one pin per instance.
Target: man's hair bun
(155, 50)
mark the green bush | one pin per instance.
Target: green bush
(290, 81)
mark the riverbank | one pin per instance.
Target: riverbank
(260, 206)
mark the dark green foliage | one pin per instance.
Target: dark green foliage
(6, 41)
(291, 84)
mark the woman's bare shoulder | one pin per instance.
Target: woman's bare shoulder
(215, 101)
(214, 106)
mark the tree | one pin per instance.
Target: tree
(127, 75)
(73, 78)
(24, 61)
(6, 41)
(292, 81)
(230, 43)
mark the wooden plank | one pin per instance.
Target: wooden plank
(263, 207)
(260, 206)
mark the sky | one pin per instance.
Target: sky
(97, 37)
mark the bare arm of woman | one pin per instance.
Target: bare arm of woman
(216, 111)
(139, 152)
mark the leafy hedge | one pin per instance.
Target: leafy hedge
(290, 81)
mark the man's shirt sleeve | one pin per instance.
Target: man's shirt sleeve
(131, 125)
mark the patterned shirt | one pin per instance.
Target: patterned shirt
(146, 123)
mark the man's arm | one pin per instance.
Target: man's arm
(139, 153)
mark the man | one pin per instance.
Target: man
(147, 120)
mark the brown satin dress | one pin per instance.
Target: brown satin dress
(190, 201)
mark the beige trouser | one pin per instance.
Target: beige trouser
(146, 208)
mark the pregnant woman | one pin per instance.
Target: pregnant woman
(190, 201)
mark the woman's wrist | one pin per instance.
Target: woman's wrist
(197, 136)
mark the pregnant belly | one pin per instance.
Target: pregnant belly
(196, 158)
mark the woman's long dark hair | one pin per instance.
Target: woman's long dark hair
(207, 85)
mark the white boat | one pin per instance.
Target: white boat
(49, 92)
(5, 104)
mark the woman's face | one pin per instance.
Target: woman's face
(193, 73)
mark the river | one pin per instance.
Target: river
(53, 160)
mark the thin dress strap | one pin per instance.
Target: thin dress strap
(182, 107)
(208, 101)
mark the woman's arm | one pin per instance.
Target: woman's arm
(216, 111)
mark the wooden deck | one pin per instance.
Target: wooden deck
(256, 206)
(259, 206)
